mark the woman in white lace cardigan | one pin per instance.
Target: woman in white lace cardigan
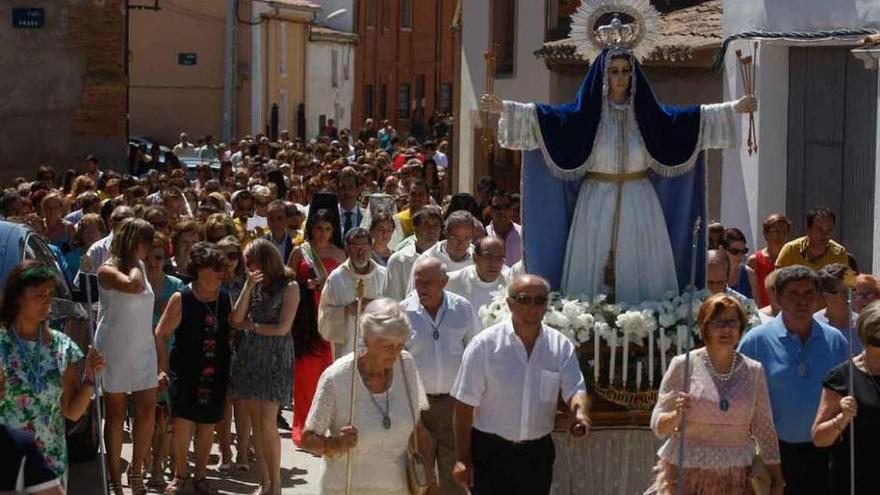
(727, 411)
(389, 399)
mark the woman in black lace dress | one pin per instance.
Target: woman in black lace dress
(197, 371)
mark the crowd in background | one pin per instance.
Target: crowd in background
(228, 281)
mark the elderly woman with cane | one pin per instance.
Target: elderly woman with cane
(840, 404)
(388, 402)
(726, 411)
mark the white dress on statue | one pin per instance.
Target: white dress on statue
(644, 265)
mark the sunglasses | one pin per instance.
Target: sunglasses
(500, 207)
(737, 252)
(525, 300)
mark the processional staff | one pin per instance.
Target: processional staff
(679, 483)
(359, 294)
(489, 132)
(747, 72)
(86, 267)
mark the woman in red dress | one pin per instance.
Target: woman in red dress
(312, 261)
(776, 230)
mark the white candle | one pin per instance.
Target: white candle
(625, 360)
(638, 376)
(651, 359)
(596, 342)
(613, 361)
(663, 340)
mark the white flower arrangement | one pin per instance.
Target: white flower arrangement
(661, 326)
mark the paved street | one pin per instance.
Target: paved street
(300, 472)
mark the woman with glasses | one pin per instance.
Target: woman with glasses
(727, 411)
(233, 284)
(186, 234)
(741, 278)
(164, 286)
(313, 261)
(197, 369)
(776, 229)
(838, 408)
(867, 291)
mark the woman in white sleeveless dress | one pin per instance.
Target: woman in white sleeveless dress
(125, 336)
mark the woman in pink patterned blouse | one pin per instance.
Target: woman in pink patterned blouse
(727, 411)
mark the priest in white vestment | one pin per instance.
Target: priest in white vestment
(337, 313)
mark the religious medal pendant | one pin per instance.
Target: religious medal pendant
(802, 369)
(436, 334)
(386, 422)
(724, 405)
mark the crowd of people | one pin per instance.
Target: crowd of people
(228, 292)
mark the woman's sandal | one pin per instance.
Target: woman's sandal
(202, 486)
(176, 486)
(116, 488)
(136, 482)
(157, 482)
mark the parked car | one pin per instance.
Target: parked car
(19, 243)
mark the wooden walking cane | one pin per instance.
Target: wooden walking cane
(679, 482)
(359, 294)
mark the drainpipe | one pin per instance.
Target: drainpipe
(229, 70)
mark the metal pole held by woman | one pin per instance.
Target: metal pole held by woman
(679, 484)
(86, 267)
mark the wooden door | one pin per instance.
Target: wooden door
(832, 115)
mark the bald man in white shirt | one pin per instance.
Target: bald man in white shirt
(443, 323)
(506, 392)
(479, 282)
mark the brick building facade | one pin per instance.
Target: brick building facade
(405, 69)
(64, 86)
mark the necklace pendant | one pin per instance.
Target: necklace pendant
(724, 405)
(436, 334)
(386, 422)
(802, 369)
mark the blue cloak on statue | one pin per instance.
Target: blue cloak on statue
(670, 135)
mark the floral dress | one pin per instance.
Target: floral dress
(21, 406)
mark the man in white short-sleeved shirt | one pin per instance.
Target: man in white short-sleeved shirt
(443, 323)
(480, 282)
(506, 392)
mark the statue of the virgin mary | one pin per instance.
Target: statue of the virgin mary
(614, 179)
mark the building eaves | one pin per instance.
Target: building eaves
(685, 32)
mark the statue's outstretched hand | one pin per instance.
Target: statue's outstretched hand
(746, 104)
(491, 104)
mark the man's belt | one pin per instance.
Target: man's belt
(600, 177)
